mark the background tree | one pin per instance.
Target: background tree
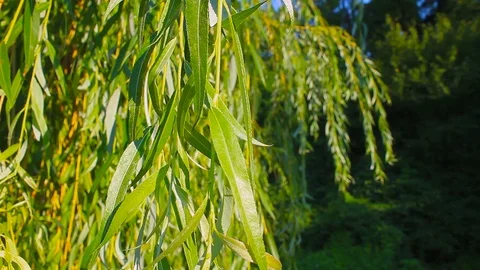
(423, 217)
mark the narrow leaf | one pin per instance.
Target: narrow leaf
(172, 9)
(233, 164)
(5, 79)
(165, 55)
(125, 170)
(158, 67)
(237, 127)
(135, 87)
(38, 102)
(242, 250)
(142, 15)
(116, 192)
(124, 53)
(131, 203)
(240, 17)
(258, 62)
(289, 5)
(110, 115)
(52, 54)
(9, 152)
(242, 78)
(197, 140)
(161, 136)
(196, 16)
(183, 235)
(15, 258)
(186, 99)
(31, 26)
(111, 5)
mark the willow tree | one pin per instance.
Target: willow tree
(156, 134)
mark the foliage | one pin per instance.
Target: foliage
(341, 253)
(354, 235)
(428, 56)
(430, 62)
(121, 123)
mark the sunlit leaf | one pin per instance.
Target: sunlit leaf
(289, 5)
(233, 164)
(183, 235)
(196, 16)
(31, 27)
(237, 127)
(9, 152)
(135, 87)
(38, 102)
(111, 5)
(162, 134)
(240, 17)
(130, 204)
(5, 80)
(110, 115)
(242, 250)
(15, 258)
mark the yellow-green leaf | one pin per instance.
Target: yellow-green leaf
(233, 165)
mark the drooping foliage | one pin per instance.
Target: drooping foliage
(128, 129)
(424, 217)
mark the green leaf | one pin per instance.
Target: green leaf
(5, 79)
(226, 212)
(15, 90)
(14, 258)
(110, 115)
(240, 17)
(186, 99)
(21, 152)
(197, 140)
(170, 14)
(52, 54)
(242, 77)
(165, 55)
(158, 67)
(130, 204)
(196, 16)
(142, 15)
(26, 178)
(124, 172)
(237, 127)
(161, 136)
(17, 30)
(111, 5)
(116, 192)
(258, 62)
(242, 250)
(224, 221)
(38, 101)
(183, 235)
(31, 27)
(124, 53)
(9, 152)
(233, 164)
(125, 210)
(135, 87)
